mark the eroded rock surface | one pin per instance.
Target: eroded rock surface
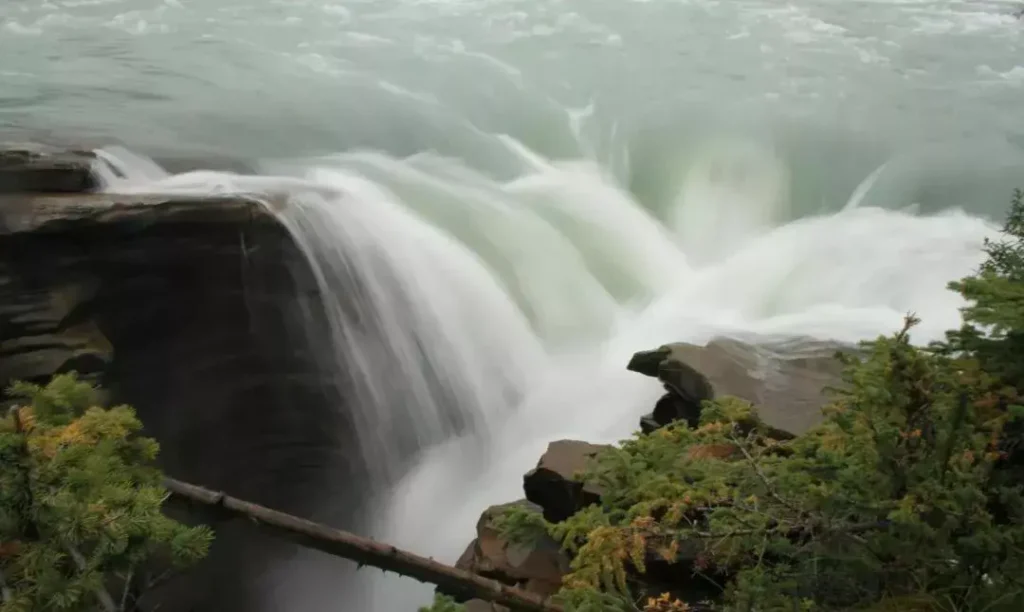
(552, 485)
(195, 312)
(41, 169)
(537, 566)
(785, 381)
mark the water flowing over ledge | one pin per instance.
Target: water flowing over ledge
(492, 317)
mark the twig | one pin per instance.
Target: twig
(124, 592)
(364, 551)
(848, 530)
(101, 593)
(15, 414)
(26, 526)
(157, 580)
(764, 477)
(6, 594)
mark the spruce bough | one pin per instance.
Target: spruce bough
(81, 526)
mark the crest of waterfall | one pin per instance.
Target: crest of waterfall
(393, 286)
(476, 319)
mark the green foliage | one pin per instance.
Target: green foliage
(993, 328)
(908, 497)
(520, 525)
(80, 503)
(443, 603)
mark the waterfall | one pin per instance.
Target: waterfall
(477, 319)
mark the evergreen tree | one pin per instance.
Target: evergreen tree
(80, 504)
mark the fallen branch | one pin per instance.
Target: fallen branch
(363, 550)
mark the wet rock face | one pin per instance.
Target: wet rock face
(38, 169)
(195, 312)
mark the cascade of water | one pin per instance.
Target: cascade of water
(449, 294)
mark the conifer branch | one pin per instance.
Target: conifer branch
(362, 550)
(764, 477)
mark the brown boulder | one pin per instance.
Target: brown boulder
(785, 380)
(687, 389)
(537, 566)
(552, 485)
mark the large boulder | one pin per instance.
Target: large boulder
(537, 566)
(553, 484)
(785, 380)
(687, 389)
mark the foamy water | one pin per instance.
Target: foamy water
(531, 191)
(507, 300)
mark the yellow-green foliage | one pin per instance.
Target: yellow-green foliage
(907, 497)
(887, 499)
(80, 503)
(443, 603)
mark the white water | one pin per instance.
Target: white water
(530, 190)
(526, 297)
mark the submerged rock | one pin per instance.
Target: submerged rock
(552, 485)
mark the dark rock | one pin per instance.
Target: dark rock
(537, 567)
(648, 363)
(195, 312)
(37, 169)
(671, 408)
(552, 485)
(687, 388)
(80, 348)
(668, 364)
(649, 424)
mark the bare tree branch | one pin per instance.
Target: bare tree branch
(6, 594)
(101, 593)
(126, 590)
(362, 550)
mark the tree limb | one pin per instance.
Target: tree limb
(362, 550)
(104, 597)
(126, 590)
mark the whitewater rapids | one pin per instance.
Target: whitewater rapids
(527, 191)
(500, 313)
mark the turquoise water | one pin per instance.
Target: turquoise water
(532, 190)
(841, 87)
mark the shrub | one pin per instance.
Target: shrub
(80, 504)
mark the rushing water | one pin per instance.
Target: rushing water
(532, 190)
